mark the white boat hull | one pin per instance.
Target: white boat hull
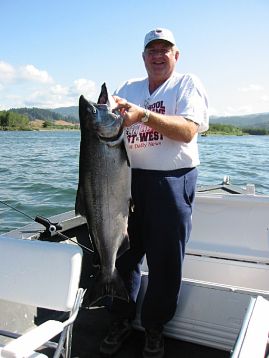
(226, 263)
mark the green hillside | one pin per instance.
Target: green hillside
(259, 120)
(44, 114)
(70, 114)
(67, 111)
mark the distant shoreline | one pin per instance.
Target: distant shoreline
(41, 130)
(203, 135)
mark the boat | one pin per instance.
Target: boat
(225, 291)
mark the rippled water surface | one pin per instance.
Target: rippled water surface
(244, 158)
(39, 170)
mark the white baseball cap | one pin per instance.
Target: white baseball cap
(159, 34)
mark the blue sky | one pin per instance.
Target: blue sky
(51, 51)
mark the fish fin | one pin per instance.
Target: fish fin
(113, 288)
(125, 151)
(131, 206)
(103, 97)
(106, 98)
(124, 246)
(96, 262)
(80, 205)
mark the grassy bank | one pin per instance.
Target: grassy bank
(225, 129)
(39, 125)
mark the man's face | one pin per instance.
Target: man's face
(160, 58)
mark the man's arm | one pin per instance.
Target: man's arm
(174, 127)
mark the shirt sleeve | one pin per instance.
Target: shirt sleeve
(192, 102)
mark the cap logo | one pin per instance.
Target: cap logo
(159, 34)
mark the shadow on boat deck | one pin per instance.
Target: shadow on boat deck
(92, 325)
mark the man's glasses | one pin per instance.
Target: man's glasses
(162, 52)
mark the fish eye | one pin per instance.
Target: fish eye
(93, 110)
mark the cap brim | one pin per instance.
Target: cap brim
(169, 42)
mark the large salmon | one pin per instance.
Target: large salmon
(104, 189)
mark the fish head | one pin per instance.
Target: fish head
(101, 119)
(108, 123)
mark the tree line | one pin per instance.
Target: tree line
(13, 121)
(10, 120)
(233, 130)
(43, 114)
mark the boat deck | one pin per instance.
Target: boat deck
(92, 325)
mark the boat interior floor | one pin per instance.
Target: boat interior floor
(91, 327)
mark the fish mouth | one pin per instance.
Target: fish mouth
(114, 140)
(110, 131)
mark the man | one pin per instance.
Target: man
(163, 114)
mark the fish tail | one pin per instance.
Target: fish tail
(112, 287)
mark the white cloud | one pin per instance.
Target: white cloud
(59, 95)
(251, 88)
(7, 72)
(11, 100)
(213, 111)
(250, 99)
(265, 98)
(247, 109)
(48, 98)
(232, 111)
(28, 86)
(31, 73)
(83, 86)
(59, 90)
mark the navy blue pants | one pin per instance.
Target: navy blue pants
(159, 227)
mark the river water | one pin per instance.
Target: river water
(39, 170)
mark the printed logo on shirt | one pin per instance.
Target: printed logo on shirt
(141, 136)
(157, 107)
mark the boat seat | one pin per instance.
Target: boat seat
(44, 275)
(32, 355)
(252, 340)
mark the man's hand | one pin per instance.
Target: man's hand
(174, 127)
(130, 112)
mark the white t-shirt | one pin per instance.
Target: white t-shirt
(182, 95)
